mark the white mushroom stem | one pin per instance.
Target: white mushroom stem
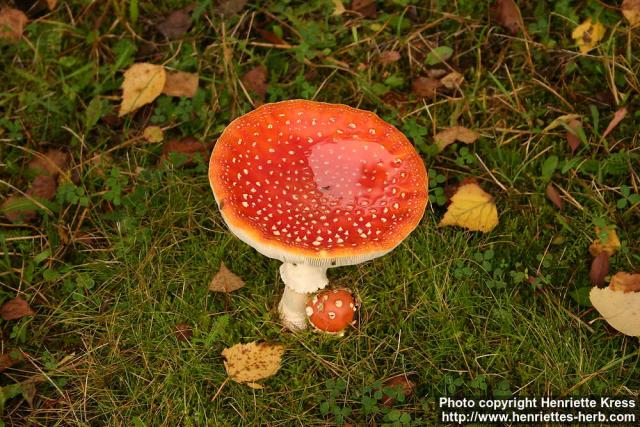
(300, 280)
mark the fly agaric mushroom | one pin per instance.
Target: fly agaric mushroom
(619, 303)
(331, 310)
(316, 185)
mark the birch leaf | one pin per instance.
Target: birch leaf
(248, 363)
(225, 281)
(143, 83)
(588, 34)
(453, 134)
(181, 84)
(472, 208)
(153, 134)
(610, 246)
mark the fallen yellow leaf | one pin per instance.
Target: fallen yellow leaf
(631, 11)
(619, 303)
(588, 34)
(338, 8)
(248, 363)
(472, 208)
(610, 246)
(142, 84)
(453, 134)
(153, 134)
(225, 281)
(181, 84)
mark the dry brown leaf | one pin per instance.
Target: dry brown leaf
(631, 11)
(248, 363)
(12, 23)
(436, 73)
(51, 4)
(472, 208)
(255, 81)
(189, 146)
(400, 382)
(9, 359)
(270, 37)
(153, 134)
(231, 7)
(43, 187)
(101, 164)
(617, 118)
(507, 14)
(366, 8)
(181, 84)
(395, 99)
(183, 331)
(15, 309)
(18, 210)
(29, 392)
(554, 196)
(143, 83)
(225, 281)
(425, 87)
(599, 269)
(177, 23)
(610, 246)
(572, 135)
(452, 80)
(389, 57)
(89, 240)
(50, 163)
(625, 282)
(453, 134)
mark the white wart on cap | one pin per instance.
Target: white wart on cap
(319, 184)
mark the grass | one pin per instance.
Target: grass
(126, 249)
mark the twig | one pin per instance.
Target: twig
(491, 174)
(224, 383)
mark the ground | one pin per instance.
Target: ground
(126, 248)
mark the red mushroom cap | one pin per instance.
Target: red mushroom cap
(316, 183)
(331, 310)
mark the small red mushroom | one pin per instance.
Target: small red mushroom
(316, 186)
(332, 310)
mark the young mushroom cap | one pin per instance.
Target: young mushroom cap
(317, 184)
(619, 304)
(331, 310)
